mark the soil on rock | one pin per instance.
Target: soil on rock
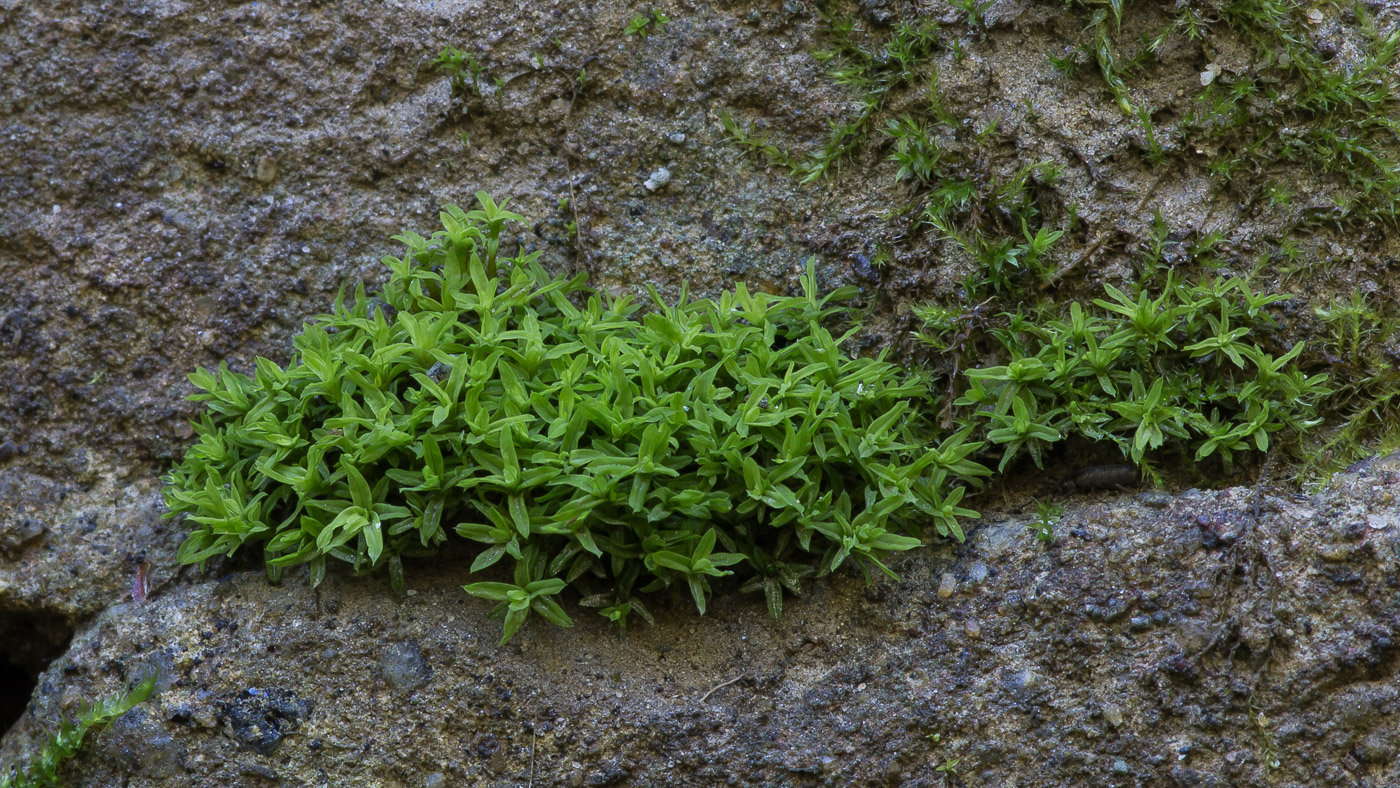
(182, 184)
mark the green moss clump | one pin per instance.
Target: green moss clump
(1295, 102)
(624, 455)
(1361, 346)
(1177, 366)
(41, 769)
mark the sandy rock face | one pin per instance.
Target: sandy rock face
(1192, 640)
(182, 183)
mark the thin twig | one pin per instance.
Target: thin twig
(574, 90)
(1093, 247)
(718, 687)
(534, 727)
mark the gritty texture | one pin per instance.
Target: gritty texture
(1275, 639)
(182, 183)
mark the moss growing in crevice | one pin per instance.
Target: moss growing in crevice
(41, 769)
(1034, 354)
(572, 438)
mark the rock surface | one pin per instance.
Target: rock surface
(180, 184)
(1268, 632)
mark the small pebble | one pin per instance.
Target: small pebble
(403, 666)
(1114, 715)
(677, 138)
(1120, 766)
(1335, 552)
(258, 770)
(946, 586)
(266, 170)
(1155, 498)
(658, 179)
(978, 572)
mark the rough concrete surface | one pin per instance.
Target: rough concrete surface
(182, 182)
(1161, 640)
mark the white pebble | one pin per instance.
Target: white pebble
(658, 179)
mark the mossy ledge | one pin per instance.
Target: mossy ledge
(593, 447)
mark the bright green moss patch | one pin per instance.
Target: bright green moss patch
(570, 437)
(1192, 371)
(41, 769)
(1180, 366)
(1361, 346)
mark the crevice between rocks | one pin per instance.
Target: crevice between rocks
(29, 641)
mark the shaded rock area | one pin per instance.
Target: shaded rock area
(182, 183)
(1188, 640)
